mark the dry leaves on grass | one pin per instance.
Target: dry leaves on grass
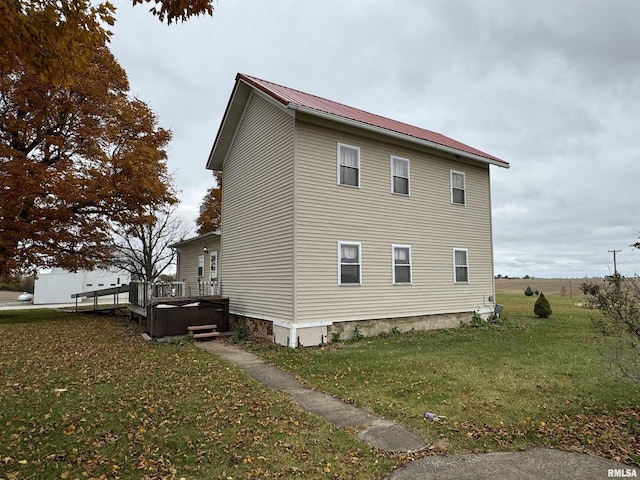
(87, 398)
(614, 435)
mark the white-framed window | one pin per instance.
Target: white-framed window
(349, 263)
(399, 175)
(460, 265)
(401, 257)
(348, 165)
(458, 190)
(201, 266)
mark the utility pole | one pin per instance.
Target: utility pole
(615, 267)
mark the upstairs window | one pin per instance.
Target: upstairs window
(460, 266)
(349, 264)
(348, 165)
(400, 175)
(458, 192)
(401, 264)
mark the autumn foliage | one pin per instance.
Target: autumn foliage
(210, 216)
(78, 154)
(74, 160)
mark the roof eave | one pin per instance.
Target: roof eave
(398, 135)
(227, 126)
(216, 233)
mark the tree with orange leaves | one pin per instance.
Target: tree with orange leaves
(78, 155)
(74, 161)
(210, 216)
(55, 38)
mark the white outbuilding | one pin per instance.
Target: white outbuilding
(58, 285)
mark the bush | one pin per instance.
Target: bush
(542, 308)
(528, 292)
(241, 333)
(618, 298)
(357, 334)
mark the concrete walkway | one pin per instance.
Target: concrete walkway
(532, 464)
(379, 433)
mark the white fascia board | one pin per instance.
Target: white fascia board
(391, 133)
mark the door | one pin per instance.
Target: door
(215, 289)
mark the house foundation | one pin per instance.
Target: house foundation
(317, 333)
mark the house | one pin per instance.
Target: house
(335, 218)
(197, 264)
(57, 285)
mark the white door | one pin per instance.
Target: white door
(214, 272)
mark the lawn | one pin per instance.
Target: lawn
(84, 397)
(526, 382)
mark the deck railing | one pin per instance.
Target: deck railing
(140, 293)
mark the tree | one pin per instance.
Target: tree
(542, 308)
(142, 248)
(73, 161)
(619, 301)
(76, 152)
(54, 39)
(182, 10)
(210, 216)
(528, 292)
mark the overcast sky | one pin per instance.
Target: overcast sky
(552, 87)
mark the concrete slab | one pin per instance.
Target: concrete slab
(272, 377)
(533, 464)
(332, 409)
(391, 437)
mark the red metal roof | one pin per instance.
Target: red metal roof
(289, 97)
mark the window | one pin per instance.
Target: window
(349, 264)
(348, 165)
(457, 188)
(460, 266)
(201, 266)
(400, 175)
(401, 263)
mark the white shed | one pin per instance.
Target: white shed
(58, 285)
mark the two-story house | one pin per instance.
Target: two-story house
(333, 217)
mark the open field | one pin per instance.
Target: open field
(548, 286)
(84, 397)
(527, 382)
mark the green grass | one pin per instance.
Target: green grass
(85, 397)
(527, 382)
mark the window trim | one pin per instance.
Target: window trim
(464, 186)
(359, 245)
(466, 255)
(391, 160)
(393, 264)
(338, 165)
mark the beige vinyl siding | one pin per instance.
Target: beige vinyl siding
(188, 262)
(257, 214)
(426, 220)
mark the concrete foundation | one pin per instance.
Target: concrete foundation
(306, 335)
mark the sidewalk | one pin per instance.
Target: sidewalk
(533, 464)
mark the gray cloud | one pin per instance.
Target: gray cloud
(549, 86)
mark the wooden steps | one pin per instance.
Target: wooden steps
(203, 331)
